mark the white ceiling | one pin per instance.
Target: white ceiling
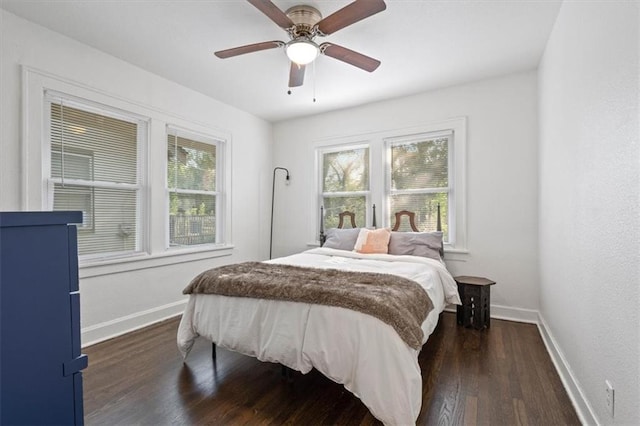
(422, 45)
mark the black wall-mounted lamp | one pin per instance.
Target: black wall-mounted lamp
(273, 192)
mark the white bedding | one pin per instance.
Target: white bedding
(363, 353)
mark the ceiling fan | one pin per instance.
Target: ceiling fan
(303, 24)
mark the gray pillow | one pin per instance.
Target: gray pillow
(341, 239)
(425, 244)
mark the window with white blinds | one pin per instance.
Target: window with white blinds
(94, 155)
(420, 176)
(193, 178)
(344, 183)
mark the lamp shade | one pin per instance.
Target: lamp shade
(302, 52)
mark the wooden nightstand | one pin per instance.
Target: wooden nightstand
(475, 294)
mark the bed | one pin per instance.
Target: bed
(359, 350)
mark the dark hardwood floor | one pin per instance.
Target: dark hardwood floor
(500, 376)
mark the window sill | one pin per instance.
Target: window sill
(455, 255)
(456, 251)
(94, 267)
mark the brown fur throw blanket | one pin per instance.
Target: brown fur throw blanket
(400, 302)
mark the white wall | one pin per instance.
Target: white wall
(113, 302)
(589, 203)
(501, 177)
(585, 171)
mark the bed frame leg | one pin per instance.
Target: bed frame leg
(213, 351)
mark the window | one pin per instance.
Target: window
(86, 150)
(193, 178)
(95, 155)
(344, 183)
(417, 168)
(419, 181)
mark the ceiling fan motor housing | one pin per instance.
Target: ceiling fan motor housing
(305, 18)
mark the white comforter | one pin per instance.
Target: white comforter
(363, 353)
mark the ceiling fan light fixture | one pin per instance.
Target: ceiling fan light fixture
(302, 52)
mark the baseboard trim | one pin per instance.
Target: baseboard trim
(508, 313)
(119, 326)
(576, 395)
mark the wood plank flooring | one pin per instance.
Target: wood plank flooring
(500, 376)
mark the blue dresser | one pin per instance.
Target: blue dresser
(40, 359)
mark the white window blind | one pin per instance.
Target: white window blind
(345, 184)
(420, 179)
(193, 171)
(94, 169)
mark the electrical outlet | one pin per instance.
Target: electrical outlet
(610, 396)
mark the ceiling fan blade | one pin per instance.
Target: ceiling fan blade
(296, 75)
(349, 56)
(256, 47)
(350, 14)
(273, 12)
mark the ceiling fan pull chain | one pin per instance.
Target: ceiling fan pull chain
(314, 81)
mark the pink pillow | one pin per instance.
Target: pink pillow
(373, 241)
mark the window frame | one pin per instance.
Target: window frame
(219, 193)
(142, 125)
(449, 189)
(320, 152)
